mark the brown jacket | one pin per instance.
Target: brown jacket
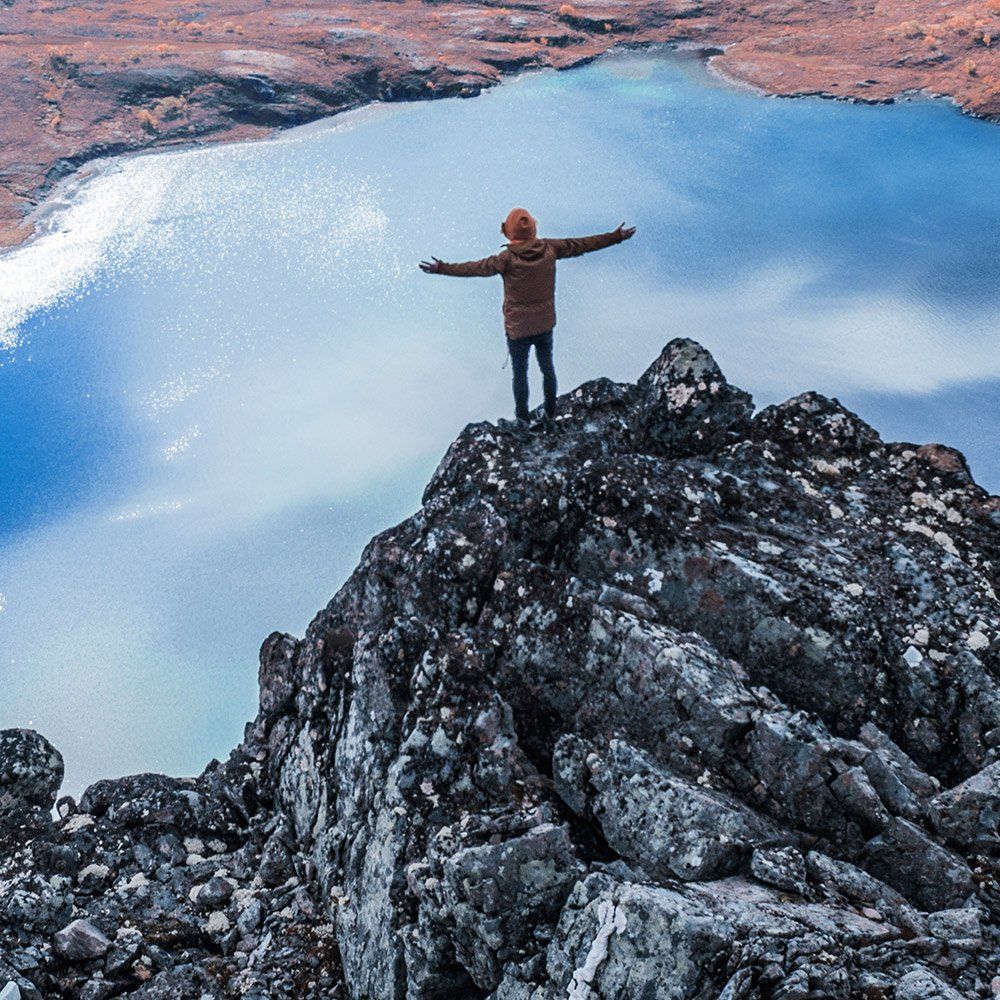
(529, 278)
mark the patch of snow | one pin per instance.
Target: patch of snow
(95, 870)
(77, 822)
(945, 542)
(217, 923)
(977, 641)
(610, 920)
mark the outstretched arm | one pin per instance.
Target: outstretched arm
(575, 246)
(484, 268)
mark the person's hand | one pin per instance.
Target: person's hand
(625, 232)
(431, 266)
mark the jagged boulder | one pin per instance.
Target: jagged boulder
(781, 867)
(634, 940)
(156, 800)
(31, 771)
(811, 426)
(969, 813)
(659, 822)
(623, 939)
(922, 984)
(840, 880)
(686, 406)
(276, 676)
(494, 897)
(80, 941)
(909, 859)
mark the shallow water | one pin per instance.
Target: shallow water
(222, 371)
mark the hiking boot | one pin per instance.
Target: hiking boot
(541, 423)
(518, 426)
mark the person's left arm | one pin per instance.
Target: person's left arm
(576, 246)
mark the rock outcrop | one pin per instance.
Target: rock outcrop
(678, 701)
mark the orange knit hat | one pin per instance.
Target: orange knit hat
(519, 225)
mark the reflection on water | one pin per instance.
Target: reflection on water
(223, 371)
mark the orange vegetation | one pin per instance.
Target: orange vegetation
(86, 76)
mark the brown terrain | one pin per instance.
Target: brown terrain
(81, 79)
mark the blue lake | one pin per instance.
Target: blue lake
(221, 371)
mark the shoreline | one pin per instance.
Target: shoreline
(57, 199)
(44, 219)
(76, 86)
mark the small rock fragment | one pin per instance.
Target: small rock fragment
(80, 941)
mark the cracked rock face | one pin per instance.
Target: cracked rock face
(678, 702)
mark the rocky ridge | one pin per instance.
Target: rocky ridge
(680, 701)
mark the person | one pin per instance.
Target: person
(527, 265)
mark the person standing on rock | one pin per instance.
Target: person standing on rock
(527, 265)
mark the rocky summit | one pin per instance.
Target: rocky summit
(679, 700)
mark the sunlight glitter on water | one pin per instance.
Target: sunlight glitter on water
(88, 235)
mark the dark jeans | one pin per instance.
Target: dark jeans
(519, 351)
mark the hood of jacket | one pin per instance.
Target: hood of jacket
(527, 249)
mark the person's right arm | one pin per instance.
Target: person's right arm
(484, 268)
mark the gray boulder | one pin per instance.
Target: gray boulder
(645, 942)
(840, 880)
(276, 674)
(215, 893)
(636, 941)
(782, 867)
(497, 896)
(31, 771)
(925, 872)
(686, 406)
(276, 865)
(80, 941)
(666, 825)
(921, 984)
(969, 813)
(956, 926)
